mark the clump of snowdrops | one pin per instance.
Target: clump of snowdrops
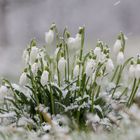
(70, 89)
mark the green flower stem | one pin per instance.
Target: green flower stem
(133, 92)
(115, 73)
(92, 103)
(124, 92)
(98, 91)
(118, 79)
(52, 100)
(68, 62)
(82, 43)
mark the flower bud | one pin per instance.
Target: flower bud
(23, 79)
(109, 65)
(25, 57)
(49, 36)
(97, 51)
(56, 52)
(76, 71)
(3, 91)
(61, 64)
(34, 68)
(44, 78)
(131, 71)
(90, 66)
(120, 58)
(137, 71)
(74, 43)
(33, 54)
(117, 46)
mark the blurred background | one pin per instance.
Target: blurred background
(22, 20)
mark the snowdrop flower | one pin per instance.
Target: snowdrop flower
(34, 68)
(97, 51)
(90, 67)
(49, 36)
(44, 78)
(109, 65)
(100, 55)
(33, 54)
(137, 71)
(23, 79)
(120, 58)
(74, 43)
(61, 64)
(76, 71)
(117, 46)
(78, 41)
(56, 52)
(131, 71)
(25, 57)
(3, 91)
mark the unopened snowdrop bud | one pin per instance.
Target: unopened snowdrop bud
(117, 46)
(23, 79)
(33, 54)
(137, 71)
(78, 41)
(56, 52)
(3, 91)
(109, 65)
(61, 64)
(34, 68)
(74, 43)
(131, 71)
(76, 71)
(71, 43)
(25, 57)
(44, 78)
(90, 67)
(120, 58)
(49, 36)
(97, 51)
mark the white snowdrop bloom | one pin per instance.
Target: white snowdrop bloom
(44, 78)
(109, 65)
(78, 41)
(74, 43)
(3, 92)
(71, 43)
(61, 64)
(33, 54)
(56, 52)
(100, 55)
(23, 79)
(120, 58)
(97, 51)
(117, 46)
(25, 57)
(49, 36)
(131, 71)
(34, 68)
(90, 66)
(137, 71)
(41, 54)
(76, 71)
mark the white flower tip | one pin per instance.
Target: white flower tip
(49, 37)
(120, 58)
